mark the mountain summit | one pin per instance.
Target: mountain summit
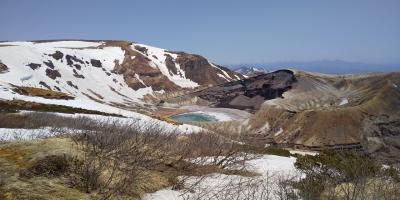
(101, 74)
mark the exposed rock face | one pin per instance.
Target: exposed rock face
(53, 74)
(139, 70)
(315, 111)
(198, 69)
(73, 59)
(141, 49)
(170, 64)
(248, 93)
(138, 73)
(34, 66)
(3, 67)
(57, 55)
(49, 64)
(381, 136)
(334, 112)
(96, 63)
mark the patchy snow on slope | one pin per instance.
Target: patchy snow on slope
(158, 56)
(222, 76)
(104, 87)
(84, 72)
(220, 186)
(138, 120)
(225, 74)
(9, 134)
(141, 121)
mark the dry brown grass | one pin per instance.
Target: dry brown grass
(16, 105)
(17, 157)
(39, 92)
(127, 161)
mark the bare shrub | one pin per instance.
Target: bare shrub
(116, 156)
(345, 175)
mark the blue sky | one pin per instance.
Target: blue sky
(227, 32)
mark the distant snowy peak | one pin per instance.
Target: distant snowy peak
(113, 73)
(249, 71)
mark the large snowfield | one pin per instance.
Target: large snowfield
(99, 90)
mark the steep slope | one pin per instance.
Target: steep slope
(311, 110)
(102, 74)
(247, 94)
(323, 111)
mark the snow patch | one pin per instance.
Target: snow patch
(303, 153)
(56, 44)
(279, 132)
(269, 166)
(344, 101)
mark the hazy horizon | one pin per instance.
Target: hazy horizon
(228, 33)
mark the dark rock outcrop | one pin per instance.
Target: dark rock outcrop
(141, 49)
(170, 64)
(72, 84)
(96, 63)
(72, 59)
(49, 64)
(34, 66)
(3, 67)
(248, 93)
(45, 85)
(53, 74)
(57, 55)
(198, 69)
(381, 137)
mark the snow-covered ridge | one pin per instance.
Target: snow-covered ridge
(74, 73)
(86, 71)
(158, 57)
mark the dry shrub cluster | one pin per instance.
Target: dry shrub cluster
(117, 158)
(346, 175)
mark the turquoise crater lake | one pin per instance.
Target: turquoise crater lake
(194, 117)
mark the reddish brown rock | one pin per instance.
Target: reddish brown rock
(199, 70)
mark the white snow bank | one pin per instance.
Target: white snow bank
(219, 186)
(56, 44)
(8, 134)
(218, 116)
(303, 153)
(344, 102)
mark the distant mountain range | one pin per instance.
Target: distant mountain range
(325, 66)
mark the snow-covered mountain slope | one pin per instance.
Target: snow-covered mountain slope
(101, 75)
(248, 71)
